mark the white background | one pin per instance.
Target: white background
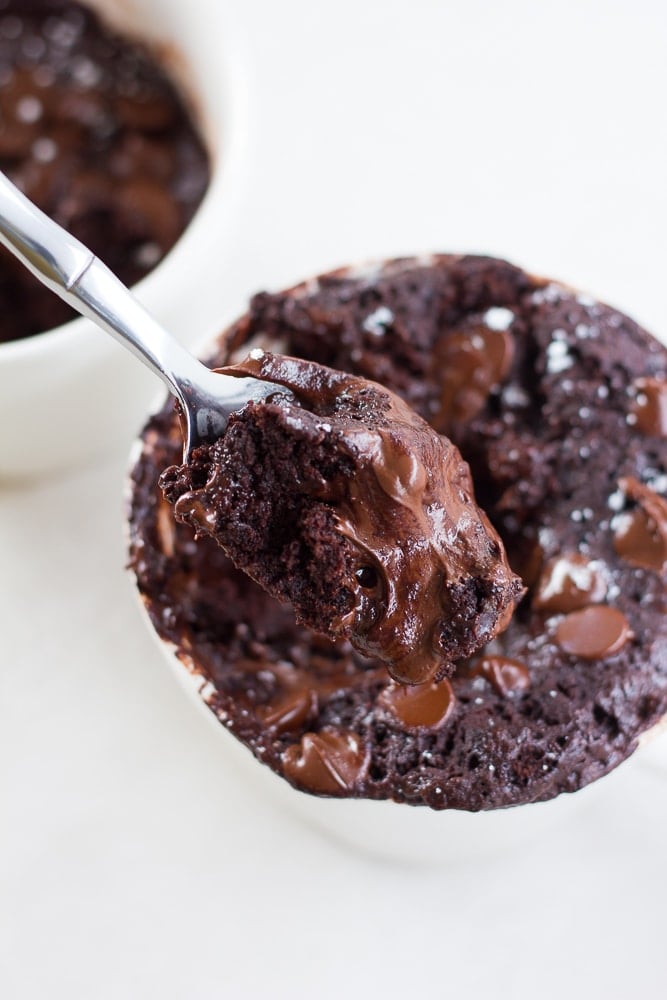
(134, 861)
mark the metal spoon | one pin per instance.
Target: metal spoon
(73, 272)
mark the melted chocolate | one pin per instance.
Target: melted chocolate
(569, 582)
(292, 711)
(327, 763)
(93, 131)
(649, 407)
(640, 535)
(419, 706)
(426, 580)
(471, 362)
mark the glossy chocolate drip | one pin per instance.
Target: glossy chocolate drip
(409, 509)
(431, 582)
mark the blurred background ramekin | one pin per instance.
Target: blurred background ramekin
(71, 393)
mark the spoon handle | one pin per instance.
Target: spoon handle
(73, 272)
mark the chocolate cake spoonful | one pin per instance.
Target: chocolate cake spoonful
(73, 272)
(342, 500)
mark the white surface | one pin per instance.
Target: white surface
(134, 863)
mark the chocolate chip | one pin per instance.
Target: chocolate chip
(472, 362)
(640, 535)
(569, 582)
(504, 675)
(649, 406)
(419, 706)
(594, 632)
(327, 763)
(290, 712)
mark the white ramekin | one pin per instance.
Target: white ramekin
(389, 831)
(71, 392)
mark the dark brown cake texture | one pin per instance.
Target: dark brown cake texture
(95, 133)
(340, 499)
(558, 404)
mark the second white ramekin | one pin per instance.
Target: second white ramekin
(71, 392)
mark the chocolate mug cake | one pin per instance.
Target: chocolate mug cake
(556, 402)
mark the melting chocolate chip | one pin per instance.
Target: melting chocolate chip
(640, 535)
(419, 706)
(593, 633)
(504, 675)
(327, 763)
(471, 363)
(569, 582)
(649, 406)
(290, 712)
